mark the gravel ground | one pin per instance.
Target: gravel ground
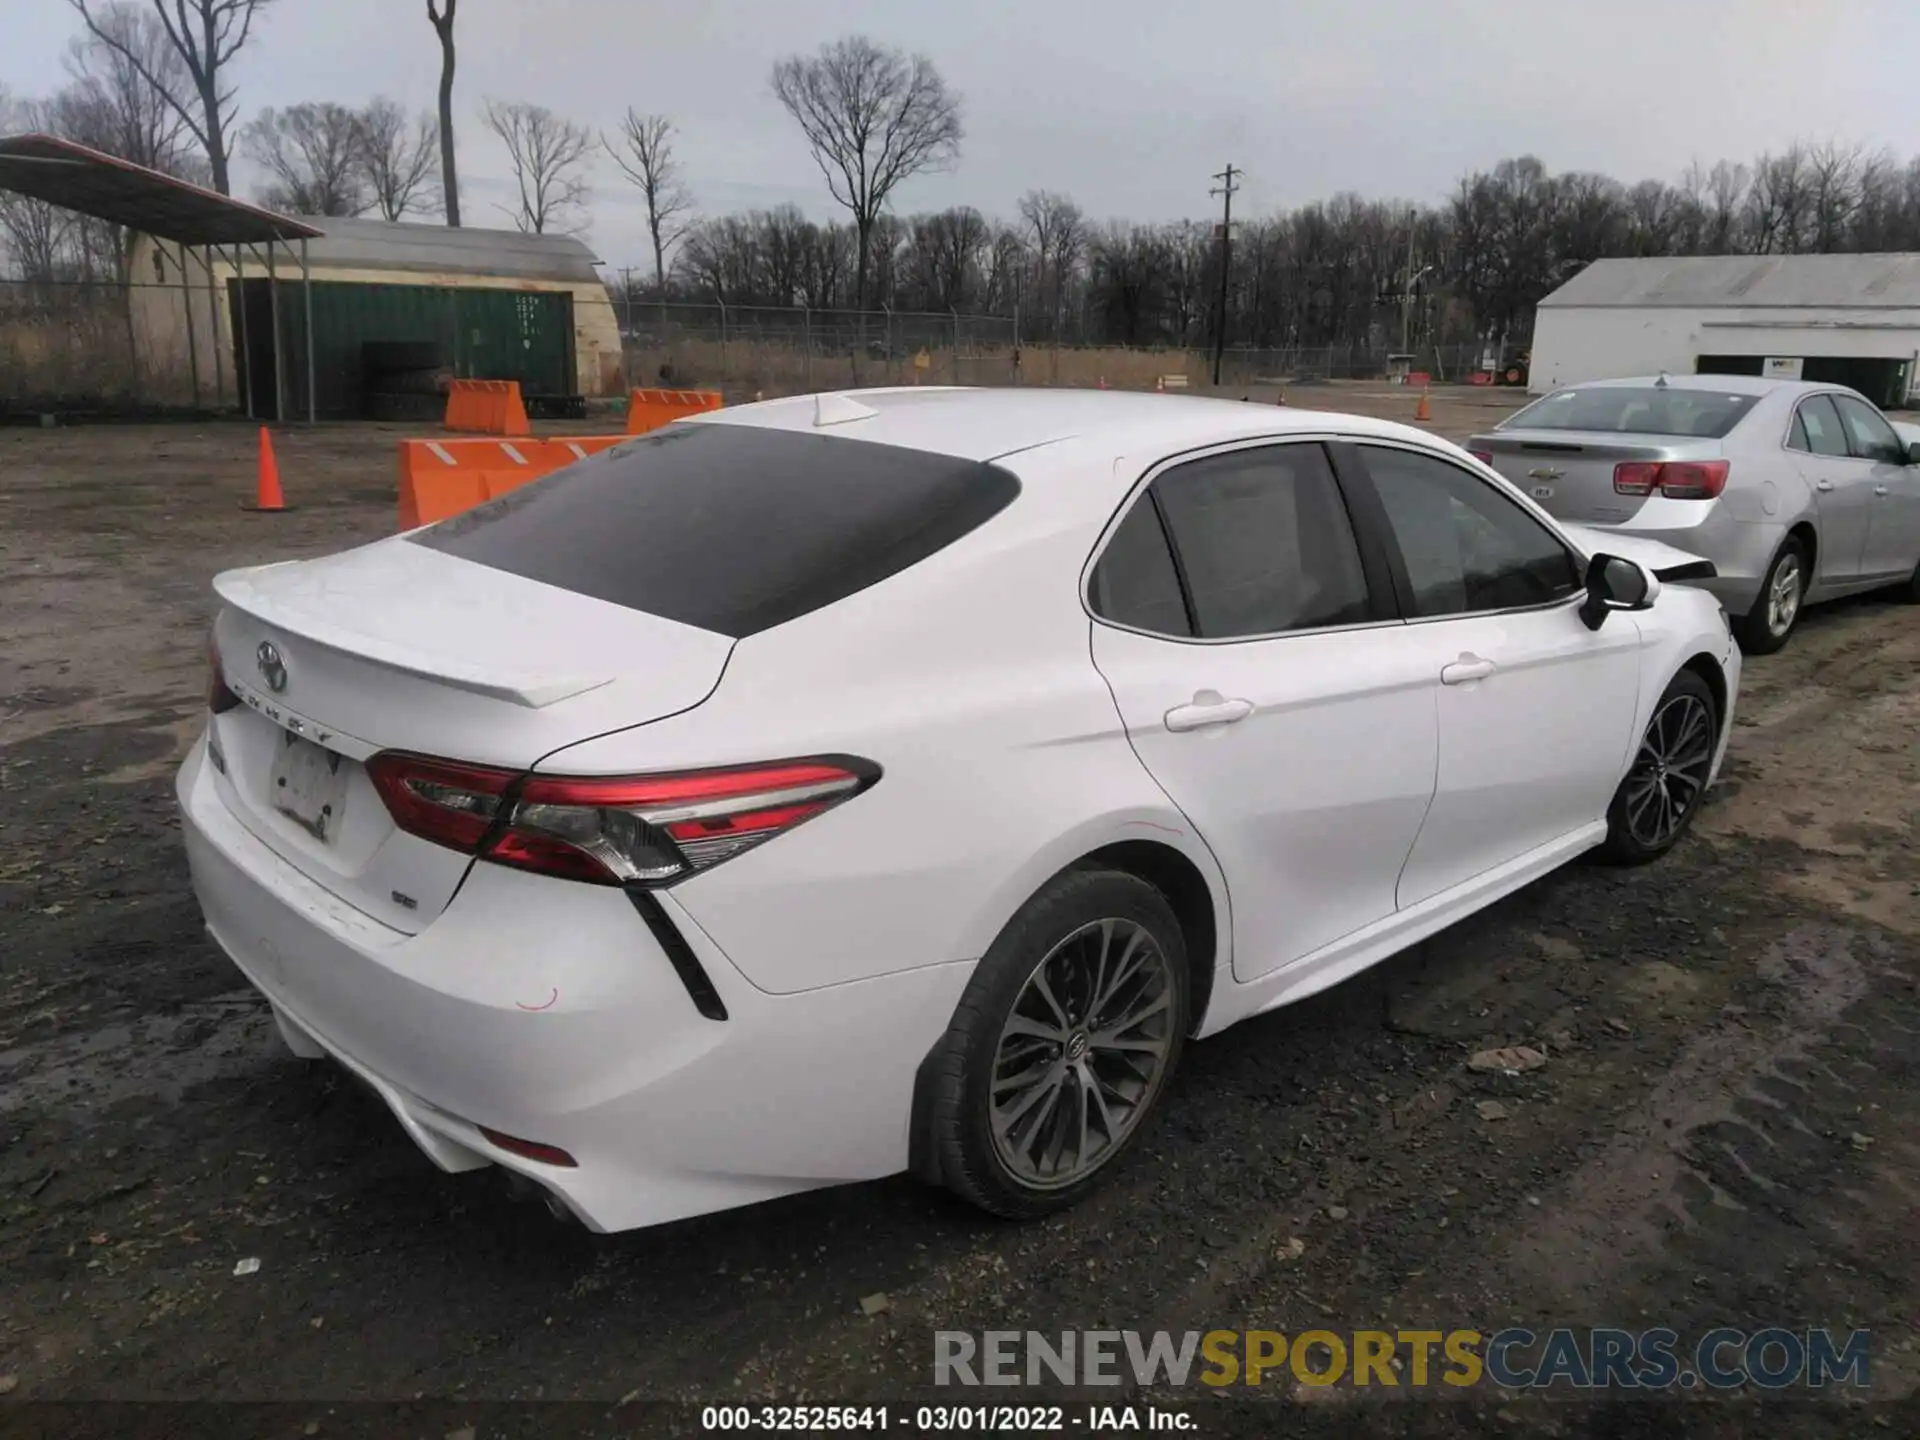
(1725, 1131)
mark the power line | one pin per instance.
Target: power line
(1225, 189)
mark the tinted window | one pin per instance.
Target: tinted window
(1134, 583)
(1797, 435)
(1466, 546)
(1264, 540)
(1869, 436)
(730, 528)
(1636, 410)
(1822, 425)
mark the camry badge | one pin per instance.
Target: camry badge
(272, 668)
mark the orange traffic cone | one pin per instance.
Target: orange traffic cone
(1425, 410)
(1281, 398)
(269, 497)
(1103, 382)
(1160, 384)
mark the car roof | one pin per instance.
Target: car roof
(1725, 384)
(992, 424)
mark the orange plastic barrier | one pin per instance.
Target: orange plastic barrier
(650, 409)
(439, 478)
(487, 407)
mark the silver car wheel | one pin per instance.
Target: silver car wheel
(1669, 771)
(1082, 1054)
(1783, 595)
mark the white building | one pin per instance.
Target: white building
(1844, 319)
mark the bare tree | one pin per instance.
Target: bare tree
(872, 117)
(112, 107)
(312, 152)
(549, 155)
(1059, 233)
(1833, 194)
(205, 35)
(645, 156)
(399, 162)
(441, 16)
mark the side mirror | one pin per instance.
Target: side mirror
(1615, 584)
(1913, 453)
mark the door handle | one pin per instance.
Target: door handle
(1467, 667)
(1823, 484)
(1207, 708)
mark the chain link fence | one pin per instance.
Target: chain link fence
(106, 345)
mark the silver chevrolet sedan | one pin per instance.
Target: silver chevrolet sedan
(1796, 492)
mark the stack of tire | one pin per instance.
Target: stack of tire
(403, 380)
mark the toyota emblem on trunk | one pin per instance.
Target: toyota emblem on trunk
(272, 668)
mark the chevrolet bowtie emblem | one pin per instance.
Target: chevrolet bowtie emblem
(1545, 472)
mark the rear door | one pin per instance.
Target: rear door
(1842, 487)
(1536, 712)
(1893, 524)
(1267, 685)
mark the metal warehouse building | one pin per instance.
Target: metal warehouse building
(489, 304)
(1843, 319)
(294, 317)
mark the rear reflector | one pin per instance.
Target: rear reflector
(1675, 479)
(529, 1149)
(611, 830)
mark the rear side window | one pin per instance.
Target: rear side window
(730, 528)
(1264, 542)
(1820, 423)
(1135, 583)
(1637, 410)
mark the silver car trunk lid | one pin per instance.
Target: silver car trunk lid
(1570, 472)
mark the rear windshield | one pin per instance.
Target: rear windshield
(731, 528)
(1702, 414)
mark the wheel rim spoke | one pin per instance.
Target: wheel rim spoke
(1082, 1054)
(1670, 770)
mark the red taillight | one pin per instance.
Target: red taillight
(220, 698)
(438, 800)
(641, 830)
(1675, 479)
(1485, 457)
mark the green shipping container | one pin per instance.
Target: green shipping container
(483, 334)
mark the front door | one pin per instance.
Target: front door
(1893, 525)
(1536, 711)
(1842, 489)
(1265, 685)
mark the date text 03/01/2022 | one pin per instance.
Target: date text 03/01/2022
(950, 1419)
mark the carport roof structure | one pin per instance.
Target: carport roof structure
(76, 177)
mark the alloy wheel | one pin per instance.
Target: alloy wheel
(1783, 595)
(1669, 771)
(1082, 1053)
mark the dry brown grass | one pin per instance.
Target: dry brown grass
(751, 367)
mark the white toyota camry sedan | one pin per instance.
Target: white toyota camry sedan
(897, 780)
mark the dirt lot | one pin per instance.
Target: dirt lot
(1725, 1131)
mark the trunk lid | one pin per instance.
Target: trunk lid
(395, 646)
(1569, 473)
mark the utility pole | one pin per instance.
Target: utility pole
(1406, 292)
(1225, 189)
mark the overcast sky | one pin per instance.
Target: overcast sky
(1127, 105)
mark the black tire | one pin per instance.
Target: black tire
(1757, 630)
(966, 1156)
(1628, 840)
(1908, 590)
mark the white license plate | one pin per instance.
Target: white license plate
(309, 786)
(1543, 492)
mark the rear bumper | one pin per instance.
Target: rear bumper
(545, 1010)
(1740, 550)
